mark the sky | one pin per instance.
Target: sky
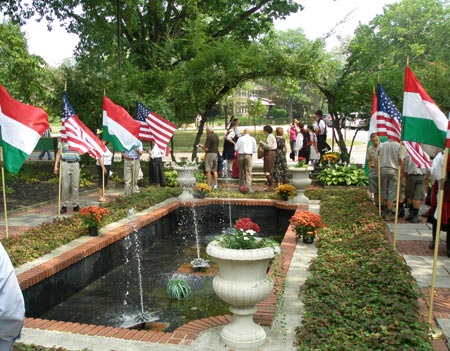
(318, 18)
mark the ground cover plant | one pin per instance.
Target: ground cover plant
(46, 237)
(360, 295)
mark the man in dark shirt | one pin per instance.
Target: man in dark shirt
(211, 148)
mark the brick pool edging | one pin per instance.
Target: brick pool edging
(188, 332)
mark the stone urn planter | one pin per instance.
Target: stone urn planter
(300, 179)
(186, 179)
(242, 282)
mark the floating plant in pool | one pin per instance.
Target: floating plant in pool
(178, 288)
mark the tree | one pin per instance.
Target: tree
(22, 74)
(185, 55)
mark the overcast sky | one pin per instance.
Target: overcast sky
(318, 18)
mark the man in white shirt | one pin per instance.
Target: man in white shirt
(245, 147)
(321, 132)
(12, 307)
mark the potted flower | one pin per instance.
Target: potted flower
(93, 217)
(200, 190)
(306, 225)
(285, 191)
(329, 158)
(301, 163)
(242, 281)
(243, 189)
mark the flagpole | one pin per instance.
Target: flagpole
(4, 196)
(60, 184)
(435, 331)
(133, 175)
(399, 173)
(379, 182)
(103, 177)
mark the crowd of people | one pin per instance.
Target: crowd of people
(390, 160)
(307, 142)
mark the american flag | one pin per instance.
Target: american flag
(389, 123)
(389, 119)
(157, 129)
(79, 137)
(141, 115)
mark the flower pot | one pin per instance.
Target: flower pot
(93, 231)
(242, 282)
(300, 179)
(308, 239)
(186, 179)
(284, 197)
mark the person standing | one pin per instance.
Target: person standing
(293, 131)
(321, 131)
(280, 174)
(314, 155)
(70, 176)
(156, 169)
(303, 143)
(47, 134)
(103, 170)
(229, 143)
(391, 158)
(131, 167)
(372, 155)
(12, 306)
(414, 189)
(245, 148)
(270, 147)
(211, 148)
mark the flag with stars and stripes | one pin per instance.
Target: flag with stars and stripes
(389, 118)
(75, 133)
(156, 128)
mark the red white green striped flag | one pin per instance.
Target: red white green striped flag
(423, 121)
(119, 127)
(21, 127)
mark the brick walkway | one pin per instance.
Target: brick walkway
(419, 248)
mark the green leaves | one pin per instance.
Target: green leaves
(178, 288)
(360, 295)
(349, 175)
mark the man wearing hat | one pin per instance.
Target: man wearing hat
(321, 131)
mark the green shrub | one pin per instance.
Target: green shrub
(178, 288)
(343, 175)
(360, 294)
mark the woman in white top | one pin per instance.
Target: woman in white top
(270, 147)
(156, 168)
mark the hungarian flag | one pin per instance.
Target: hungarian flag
(423, 121)
(21, 127)
(79, 137)
(158, 129)
(119, 127)
(373, 115)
